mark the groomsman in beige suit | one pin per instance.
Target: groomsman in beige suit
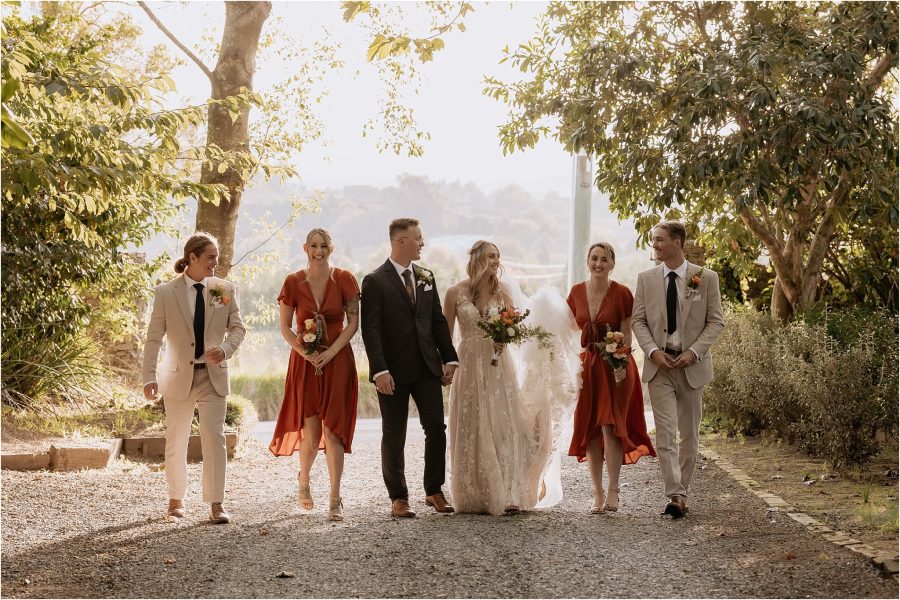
(677, 316)
(198, 315)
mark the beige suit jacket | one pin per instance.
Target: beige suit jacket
(701, 320)
(171, 318)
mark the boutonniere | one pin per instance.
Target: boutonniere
(424, 277)
(693, 284)
(218, 295)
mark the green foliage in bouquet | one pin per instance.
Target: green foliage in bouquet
(508, 327)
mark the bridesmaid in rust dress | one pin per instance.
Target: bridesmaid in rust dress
(609, 415)
(320, 390)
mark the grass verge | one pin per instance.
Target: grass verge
(858, 500)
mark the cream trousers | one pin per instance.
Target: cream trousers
(677, 408)
(179, 414)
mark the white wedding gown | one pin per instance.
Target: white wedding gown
(503, 432)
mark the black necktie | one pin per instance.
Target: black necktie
(671, 303)
(409, 286)
(199, 318)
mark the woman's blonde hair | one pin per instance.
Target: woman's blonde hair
(610, 251)
(325, 236)
(195, 245)
(478, 266)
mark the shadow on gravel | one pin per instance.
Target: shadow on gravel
(728, 546)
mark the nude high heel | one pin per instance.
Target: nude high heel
(335, 509)
(612, 500)
(304, 496)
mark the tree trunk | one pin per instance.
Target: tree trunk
(781, 309)
(234, 70)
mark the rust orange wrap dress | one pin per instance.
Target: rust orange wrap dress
(333, 395)
(601, 400)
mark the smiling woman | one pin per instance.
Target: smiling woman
(609, 417)
(321, 388)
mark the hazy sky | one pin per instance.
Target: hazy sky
(462, 122)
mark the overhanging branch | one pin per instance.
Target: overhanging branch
(175, 40)
(880, 71)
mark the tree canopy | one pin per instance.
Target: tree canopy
(767, 125)
(97, 171)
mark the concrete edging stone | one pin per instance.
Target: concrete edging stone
(887, 564)
(101, 455)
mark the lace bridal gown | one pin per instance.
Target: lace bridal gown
(503, 441)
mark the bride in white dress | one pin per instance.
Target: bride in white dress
(504, 419)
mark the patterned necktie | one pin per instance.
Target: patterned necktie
(407, 278)
(671, 303)
(199, 318)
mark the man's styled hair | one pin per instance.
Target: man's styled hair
(195, 245)
(398, 225)
(675, 229)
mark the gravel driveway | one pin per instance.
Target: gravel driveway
(102, 534)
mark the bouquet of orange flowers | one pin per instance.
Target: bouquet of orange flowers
(505, 327)
(615, 353)
(312, 337)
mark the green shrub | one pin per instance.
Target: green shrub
(828, 381)
(240, 413)
(264, 391)
(367, 408)
(38, 366)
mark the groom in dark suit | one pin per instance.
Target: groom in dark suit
(410, 353)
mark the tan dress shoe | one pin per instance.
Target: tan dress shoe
(675, 507)
(218, 514)
(439, 502)
(176, 509)
(400, 508)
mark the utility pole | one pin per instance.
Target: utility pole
(580, 223)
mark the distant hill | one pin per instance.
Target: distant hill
(528, 230)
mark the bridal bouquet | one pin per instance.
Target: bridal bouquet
(616, 353)
(505, 327)
(312, 337)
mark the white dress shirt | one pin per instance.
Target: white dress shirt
(673, 340)
(192, 304)
(400, 268)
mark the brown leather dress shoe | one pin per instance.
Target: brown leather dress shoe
(439, 502)
(400, 508)
(675, 507)
(176, 509)
(218, 514)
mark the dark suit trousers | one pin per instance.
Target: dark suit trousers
(426, 393)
